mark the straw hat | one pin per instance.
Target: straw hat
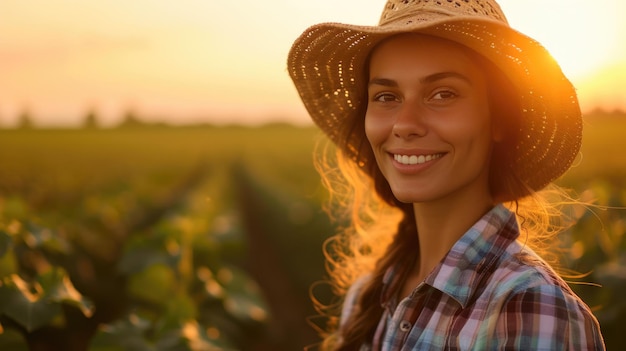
(327, 65)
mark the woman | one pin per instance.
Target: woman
(457, 122)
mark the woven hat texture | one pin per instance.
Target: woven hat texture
(326, 64)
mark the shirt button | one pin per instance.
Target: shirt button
(405, 326)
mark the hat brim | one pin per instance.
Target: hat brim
(326, 64)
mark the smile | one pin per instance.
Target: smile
(414, 159)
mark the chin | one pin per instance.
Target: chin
(408, 198)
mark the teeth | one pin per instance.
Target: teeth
(414, 160)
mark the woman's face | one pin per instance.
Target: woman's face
(428, 120)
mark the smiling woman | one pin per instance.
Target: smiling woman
(445, 86)
(450, 127)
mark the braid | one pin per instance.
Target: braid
(361, 326)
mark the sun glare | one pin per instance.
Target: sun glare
(184, 60)
(582, 51)
(581, 35)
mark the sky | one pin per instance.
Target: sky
(216, 61)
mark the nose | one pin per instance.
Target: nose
(410, 122)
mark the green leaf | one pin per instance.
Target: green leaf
(36, 236)
(8, 264)
(24, 306)
(58, 287)
(123, 335)
(11, 339)
(6, 242)
(198, 338)
(156, 284)
(243, 298)
(131, 334)
(172, 341)
(178, 310)
(38, 304)
(140, 258)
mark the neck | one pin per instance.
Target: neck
(442, 223)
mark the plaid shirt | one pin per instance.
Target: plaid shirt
(488, 293)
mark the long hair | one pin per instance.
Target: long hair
(381, 231)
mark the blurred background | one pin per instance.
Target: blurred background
(157, 189)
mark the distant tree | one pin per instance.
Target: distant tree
(600, 112)
(131, 120)
(25, 120)
(619, 112)
(91, 120)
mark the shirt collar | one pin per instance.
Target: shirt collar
(463, 268)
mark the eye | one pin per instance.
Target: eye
(443, 95)
(385, 97)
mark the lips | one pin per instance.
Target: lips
(415, 159)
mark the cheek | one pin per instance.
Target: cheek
(481, 142)
(477, 128)
(376, 129)
(370, 129)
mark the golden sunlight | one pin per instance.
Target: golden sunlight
(582, 36)
(225, 61)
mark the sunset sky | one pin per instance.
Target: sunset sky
(225, 61)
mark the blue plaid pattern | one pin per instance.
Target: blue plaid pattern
(488, 293)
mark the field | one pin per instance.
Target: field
(200, 238)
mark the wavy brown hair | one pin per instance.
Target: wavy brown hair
(381, 230)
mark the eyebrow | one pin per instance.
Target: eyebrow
(425, 80)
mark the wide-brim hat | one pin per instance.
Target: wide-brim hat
(327, 64)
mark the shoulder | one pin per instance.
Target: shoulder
(351, 299)
(520, 270)
(539, 308)
(524, 278)
(549, 318)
